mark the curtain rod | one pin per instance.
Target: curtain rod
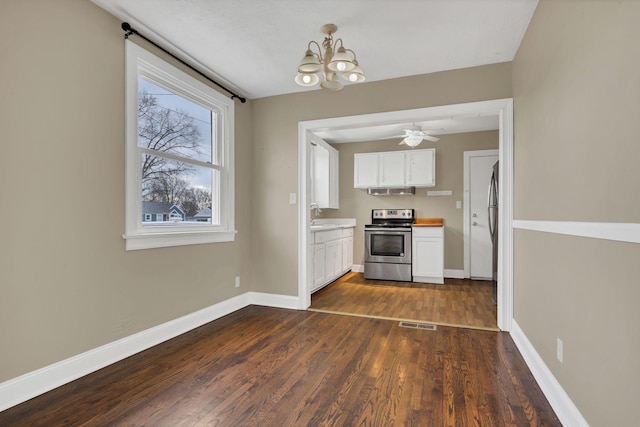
(127, 28)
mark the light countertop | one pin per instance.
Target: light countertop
(324, 224)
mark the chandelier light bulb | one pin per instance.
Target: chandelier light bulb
(353, 77)
(306, 79)
(341, 66)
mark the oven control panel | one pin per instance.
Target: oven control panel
(392, 214)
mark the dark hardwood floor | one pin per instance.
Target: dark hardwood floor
(274, 367)
(457, 302)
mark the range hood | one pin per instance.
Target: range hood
(404, 191)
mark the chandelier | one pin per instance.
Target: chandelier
(335, 64)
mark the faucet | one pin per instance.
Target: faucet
(316, 208)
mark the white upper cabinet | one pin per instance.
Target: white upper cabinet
(392, 168)
(421, 167)
(415, 168)
(324, 174)
(365, 170)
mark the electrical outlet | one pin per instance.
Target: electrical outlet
(458, 204)
(559, 350)
(237, 281)
(292, 198)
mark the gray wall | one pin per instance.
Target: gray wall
(356, 203)
(577, 101)
(68, 285)
(275, 160)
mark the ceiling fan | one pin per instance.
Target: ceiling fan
(415, 135)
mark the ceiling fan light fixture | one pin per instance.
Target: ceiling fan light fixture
(413, 140)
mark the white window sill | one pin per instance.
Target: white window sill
(163, 240)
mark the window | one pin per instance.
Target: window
(179, 157)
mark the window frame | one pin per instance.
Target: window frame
(142, 63)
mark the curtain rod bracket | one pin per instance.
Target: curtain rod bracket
(129, 30)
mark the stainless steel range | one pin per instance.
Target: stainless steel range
(388, 245)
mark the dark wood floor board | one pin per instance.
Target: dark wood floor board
(265, 367)
(457, 302)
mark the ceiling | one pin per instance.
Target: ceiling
(439, 126)
(254, 46)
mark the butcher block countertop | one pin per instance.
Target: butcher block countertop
(429, 222)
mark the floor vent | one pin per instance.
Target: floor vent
(414, 325)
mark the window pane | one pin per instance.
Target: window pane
(174, 191)
(172, 124)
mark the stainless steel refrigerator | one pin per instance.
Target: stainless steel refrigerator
(493, 228)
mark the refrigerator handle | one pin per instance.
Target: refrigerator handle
(490, 206)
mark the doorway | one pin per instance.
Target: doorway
(478, 167)
(503, 109)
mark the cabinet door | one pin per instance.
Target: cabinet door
(334, 178)
(365, 170)
(320, 175)
(347, 253)
(392, 167)
(324, 175)
(428, 256)
(319, 264)
(421, 168)
(333, 263)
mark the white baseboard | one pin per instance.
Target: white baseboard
(273, 300)
(35, 383)
(358, 268)
(454, 274)
(560, 401)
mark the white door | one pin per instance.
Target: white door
(480, 170)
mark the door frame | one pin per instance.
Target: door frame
(503, 108)
(466, 214)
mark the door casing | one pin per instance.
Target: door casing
(503, 108)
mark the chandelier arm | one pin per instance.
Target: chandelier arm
(352, 52)
(319, 54)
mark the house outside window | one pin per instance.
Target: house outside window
(179, 157)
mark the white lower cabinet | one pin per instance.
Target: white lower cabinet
(347, 252)
(319, 270)
(332, 255)
(428, 254)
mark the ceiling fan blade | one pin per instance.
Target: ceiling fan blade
(430, 138)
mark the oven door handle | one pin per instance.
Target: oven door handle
(389, 230)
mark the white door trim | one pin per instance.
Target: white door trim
(466, 204)
(503, 108)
